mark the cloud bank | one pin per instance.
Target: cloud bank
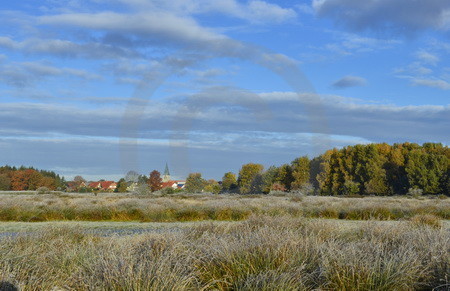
(396, 16)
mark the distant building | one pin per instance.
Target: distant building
(173, 184)
(166, 176)
(95, 185)
(74, 186)
(108, 185)
(103, 185)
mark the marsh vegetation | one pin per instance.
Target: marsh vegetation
(190, 207)
(223, 242)
(260, 253)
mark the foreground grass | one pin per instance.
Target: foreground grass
(261, 253)
(189, 207)
(132, 227)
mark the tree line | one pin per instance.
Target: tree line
(372, 169)
(28, 178)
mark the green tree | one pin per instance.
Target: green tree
(34, 179)
(351, 187)
(324, 174)
(315, 170)
(284, 177)
(250, 178)
(212, 186)
(269, 178)
(142, 180)
(5, 182)
(300, 172)
(122, 186)
(427, 171)
(194, 183)
(229, 182)
(376, 182)
(395, 170)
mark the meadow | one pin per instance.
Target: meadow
(260, 253)
(223, 242)
(198, 207)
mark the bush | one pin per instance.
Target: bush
(415, 192)
(43, 190)
(426, 220)
(167, 191)
(306, 189)
(142, 189)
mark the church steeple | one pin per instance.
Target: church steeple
(166, 176)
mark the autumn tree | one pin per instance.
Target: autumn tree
(155, 181)
(229, 182)
(27, 178)
(250, 178)
(284, 177)
(194, 183)
(212, 186)
(5, 182)
(300, 172)
(34, 179)
(19, 181)
(47, 182)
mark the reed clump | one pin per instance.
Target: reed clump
(262, 252)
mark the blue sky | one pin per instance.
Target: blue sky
(97, 88)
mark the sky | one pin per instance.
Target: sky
(101, 87)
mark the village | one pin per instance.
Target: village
(128, 184)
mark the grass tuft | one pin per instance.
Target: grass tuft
(426, 220)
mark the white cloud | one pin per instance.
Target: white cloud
(66, 48)
(253, 11)
(349, 44)
(439, 84)
(163, 25)
(24, 74)
(427, 57)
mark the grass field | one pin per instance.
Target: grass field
(188, 207)
(224, 242)
(261, 253)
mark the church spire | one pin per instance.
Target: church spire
(166, 176)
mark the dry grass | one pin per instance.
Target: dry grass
(188, 207)
(426, 219)
(261, 253)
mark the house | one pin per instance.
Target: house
(108, 185)
(95, 185)
(173, 184)
(74, 186)
(103, 185)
